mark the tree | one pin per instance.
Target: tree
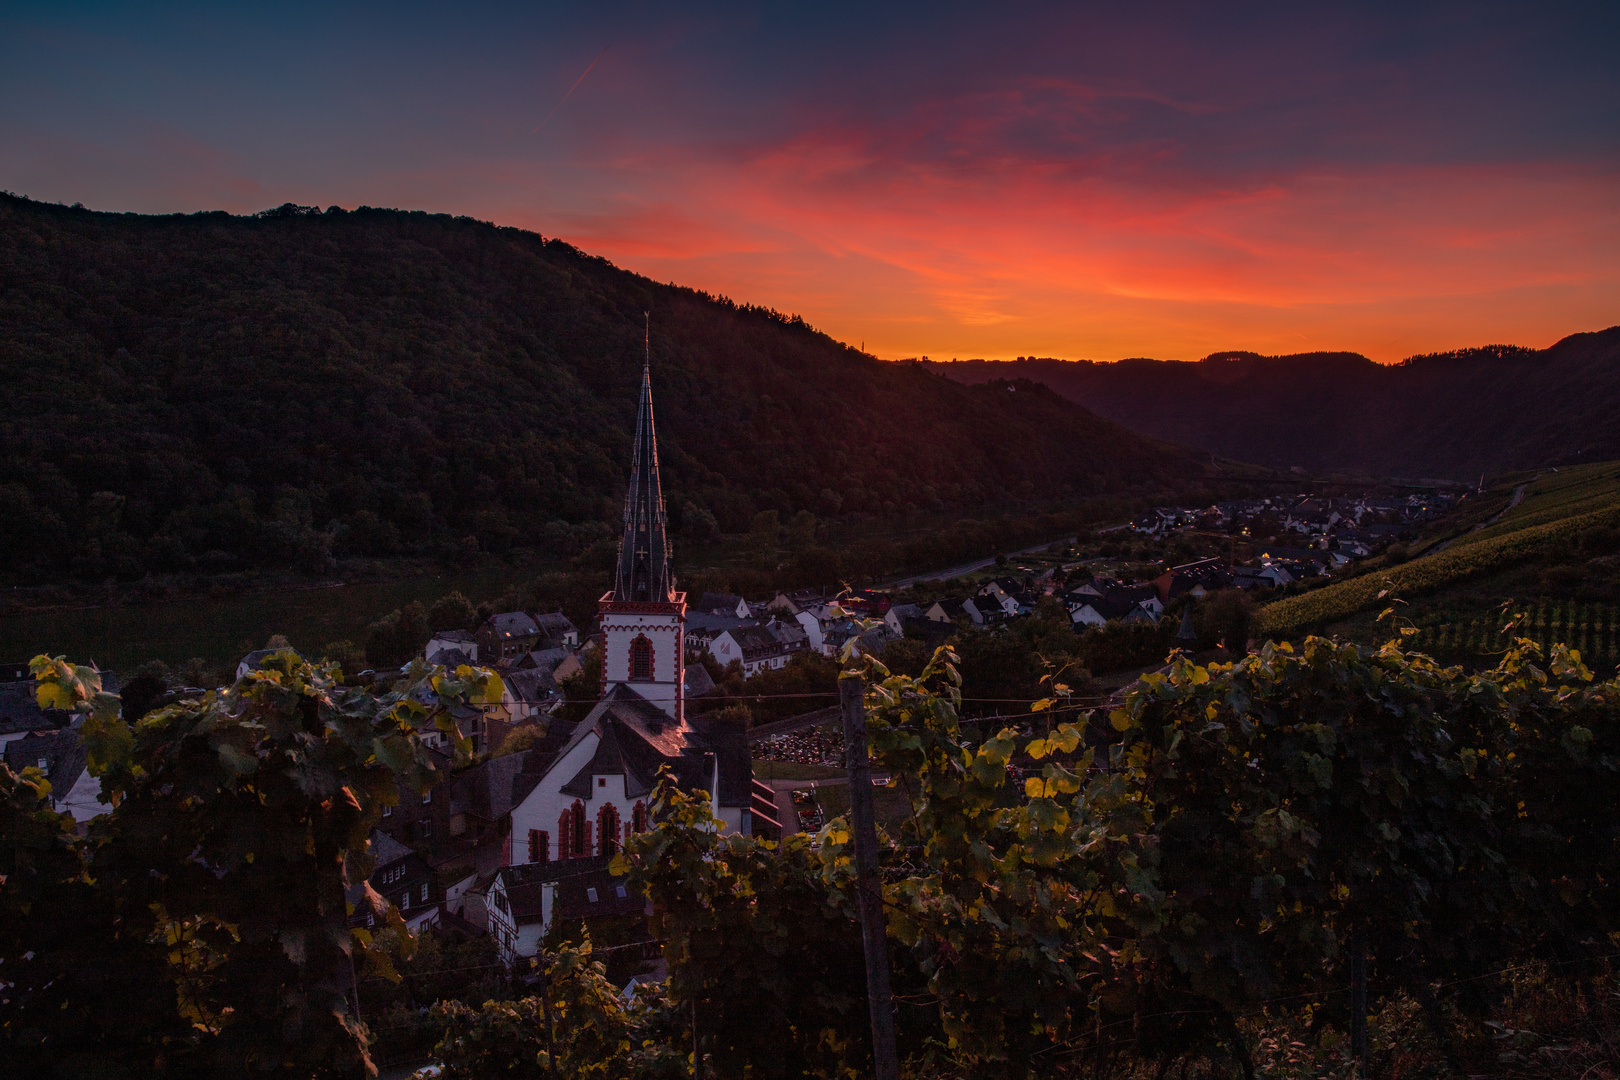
(1228, 619)
(452, 611)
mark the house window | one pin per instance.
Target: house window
(424, 892)
(618, 890)
(601, 781)
(641, 659)
(388, 811)
(427, 797)
(44, 764)
(539, 846)
(590, 894)
(405, 901)
(638, 817)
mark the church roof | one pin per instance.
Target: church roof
(643, 572)
(636, 737)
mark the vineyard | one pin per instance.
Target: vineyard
(1589, 628)
(1557, 511)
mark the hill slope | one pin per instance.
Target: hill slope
(1555, 551)
(216, 391)
(1452, 415)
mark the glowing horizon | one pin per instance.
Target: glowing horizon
(1168, 182)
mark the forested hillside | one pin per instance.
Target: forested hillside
(210, 392)
(1453, 415)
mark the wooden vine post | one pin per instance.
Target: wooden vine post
(869, 887)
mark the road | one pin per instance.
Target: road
(1518, 496)
(966, 568)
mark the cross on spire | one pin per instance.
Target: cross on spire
(643, 573)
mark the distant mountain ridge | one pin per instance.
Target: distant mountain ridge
(1453, 415)
(215, 392)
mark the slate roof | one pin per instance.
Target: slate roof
(490, 790)
(1109, 608)
(636, 737)
(63, 751)
(451, 658)
(574, 896)
(387, 849)
(698, 681)
(706, 624)
(531, 685)
(712, 602)
(20, 711)
(512, 624)
(757, 641)
(555, 625)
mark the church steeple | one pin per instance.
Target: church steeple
(643, 573)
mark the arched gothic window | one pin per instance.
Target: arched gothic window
(574, 833)
(638, 817)
(607, 829)
(641, 659)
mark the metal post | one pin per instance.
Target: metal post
(869, 889)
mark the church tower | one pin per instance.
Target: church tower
(644, 619)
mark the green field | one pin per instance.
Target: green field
(1558, 508)
(221, 629)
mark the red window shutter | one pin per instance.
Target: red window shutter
(545, 847)
(534, 846)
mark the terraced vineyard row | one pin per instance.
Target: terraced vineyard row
(1548, 524)
(1591, 628)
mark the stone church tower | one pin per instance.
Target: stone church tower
(644, 619)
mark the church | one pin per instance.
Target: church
(598, 787)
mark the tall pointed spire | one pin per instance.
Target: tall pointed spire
(644, 549)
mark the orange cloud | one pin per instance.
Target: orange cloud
(957, 235)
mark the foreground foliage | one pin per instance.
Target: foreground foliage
(1184, 875)
(203, 923)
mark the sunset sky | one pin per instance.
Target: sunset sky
(1082, 181)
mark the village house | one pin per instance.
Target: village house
(702, 629)
(1196, 579)
(756, 648)
(62, 757)
(20, 714)
(897, 616)
(723, 604)
(446, 646)
(505, 636)
(405, 879)
(557, 630)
